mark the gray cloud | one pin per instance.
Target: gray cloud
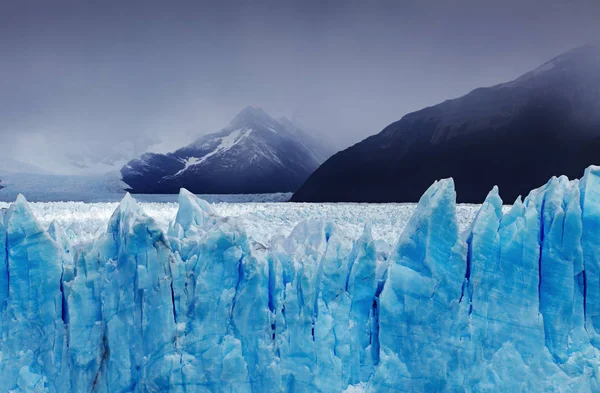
(74, 75)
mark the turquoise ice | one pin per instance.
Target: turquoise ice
(512, 304)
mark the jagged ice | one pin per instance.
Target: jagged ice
(512, 304)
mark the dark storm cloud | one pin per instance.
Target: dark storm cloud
(75, 73)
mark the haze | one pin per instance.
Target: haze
(79, 77)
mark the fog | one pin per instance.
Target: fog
(154, 75)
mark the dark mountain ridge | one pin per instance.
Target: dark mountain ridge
(515, 135)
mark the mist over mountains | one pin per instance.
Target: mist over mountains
(515, 135)
(254, 154)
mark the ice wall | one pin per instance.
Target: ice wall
(510, 305)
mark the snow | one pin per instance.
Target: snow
(188, 162)
(226, 143)
(182, 297)
(262, 220)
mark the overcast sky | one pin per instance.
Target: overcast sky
(75, 75)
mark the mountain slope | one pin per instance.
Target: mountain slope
(95, 157)
(254, 154)
(9, 165)
(514, 135)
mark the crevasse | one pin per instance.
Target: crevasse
(510, 305)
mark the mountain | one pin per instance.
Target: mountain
(96, 157)
(254, 154)
(9, 165)
(514, 135)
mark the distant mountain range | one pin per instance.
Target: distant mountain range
(41, 185)
(9, 165)
(254, 154)
(515, 135)
(97, 158)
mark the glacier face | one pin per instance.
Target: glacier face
(512, 304)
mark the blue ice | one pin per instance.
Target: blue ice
(512, 304)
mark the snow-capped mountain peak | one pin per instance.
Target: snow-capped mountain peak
(224, 143)
(252, 116)
(254, 154)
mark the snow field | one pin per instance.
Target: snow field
(83, 222)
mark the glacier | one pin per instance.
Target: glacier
(511, 304)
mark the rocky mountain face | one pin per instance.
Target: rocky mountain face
(254, 154)
(514, 135)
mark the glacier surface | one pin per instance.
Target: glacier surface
(511, 304)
